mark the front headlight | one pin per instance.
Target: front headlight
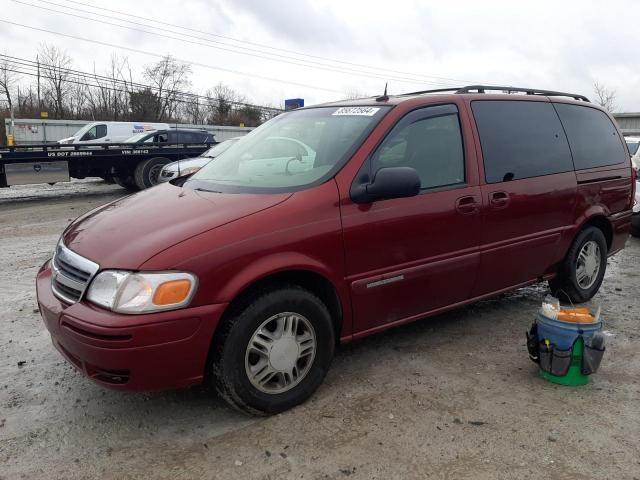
(189, 171)
(140, 292)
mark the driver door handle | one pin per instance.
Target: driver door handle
(499, 199)
(467, 205)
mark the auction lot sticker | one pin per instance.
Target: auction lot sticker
(363, 111)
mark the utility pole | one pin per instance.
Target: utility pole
(12, 122)
(38, 62)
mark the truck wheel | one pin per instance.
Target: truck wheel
(582, 271)
(127, 183)
(273, 352)
(147, 172)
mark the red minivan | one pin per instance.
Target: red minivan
(330, 223)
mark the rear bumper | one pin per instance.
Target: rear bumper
(621, 223)
(130, 352)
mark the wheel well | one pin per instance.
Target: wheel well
(311, 281)
(604, 225)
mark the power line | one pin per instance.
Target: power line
(267, 110)
(234, 49)
(287, 59)
(178, 97)
(102, 8)
(158, 55)
(90, 77)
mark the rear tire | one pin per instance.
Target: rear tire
(582, 271)
(147, 172)
(635, 230)
(239, 369)
(127, 183)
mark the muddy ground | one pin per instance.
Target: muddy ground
(452, 397)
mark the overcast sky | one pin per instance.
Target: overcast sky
(355, 45)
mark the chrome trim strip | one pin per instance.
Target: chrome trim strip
(76, 261)
(61, 295)
(66, 281)
(385, 281)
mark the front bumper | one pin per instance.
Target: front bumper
(155, 351)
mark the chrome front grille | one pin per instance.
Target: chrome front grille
(71, 274)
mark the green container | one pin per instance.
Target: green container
(574, 375)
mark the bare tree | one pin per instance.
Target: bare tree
(9, 80)
(76, 99)
(224, 101)
(195, 110)
(56, 76)
(605, 97)
(169, 77)
(354, 93)
(109, 98)
(115, 94)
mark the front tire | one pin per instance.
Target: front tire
(273, 352)
(582, 271)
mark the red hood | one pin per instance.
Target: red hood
(125, 233)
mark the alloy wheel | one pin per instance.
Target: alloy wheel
(280, 353)
(588, 265)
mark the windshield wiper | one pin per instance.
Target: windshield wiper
(200, 189)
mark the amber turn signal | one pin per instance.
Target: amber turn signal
(172, 292)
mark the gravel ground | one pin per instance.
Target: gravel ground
(452, 397)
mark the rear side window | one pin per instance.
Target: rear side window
(187, 137)
(520, 140)
(592, 136)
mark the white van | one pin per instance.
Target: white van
(633, 143)
(111, 132)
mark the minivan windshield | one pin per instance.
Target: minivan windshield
(291, 151)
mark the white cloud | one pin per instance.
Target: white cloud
(555, 45)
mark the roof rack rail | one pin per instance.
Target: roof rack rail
(528, 91)
(484, 88)
(437, 90)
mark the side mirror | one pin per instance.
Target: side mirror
(389, 182)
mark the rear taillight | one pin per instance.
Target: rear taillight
(634, 178)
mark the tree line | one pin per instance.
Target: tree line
(163, 94)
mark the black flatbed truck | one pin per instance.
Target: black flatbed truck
(132, 166)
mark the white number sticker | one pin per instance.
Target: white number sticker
(363, 111)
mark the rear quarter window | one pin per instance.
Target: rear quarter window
(520, 139)
(593, 138)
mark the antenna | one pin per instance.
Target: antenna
(177, 146)
(384, 96)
